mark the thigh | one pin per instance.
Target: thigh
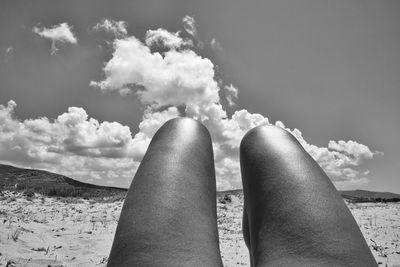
(169, 214)
(295, 215)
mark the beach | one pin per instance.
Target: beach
(49, 231)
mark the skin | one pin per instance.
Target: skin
(293, 215)
(169, 214)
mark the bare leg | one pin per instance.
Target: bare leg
(169, 215)
(295, 215)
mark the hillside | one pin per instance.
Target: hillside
(48, 183)
(59, 185)
(368, 196)
(350, 195)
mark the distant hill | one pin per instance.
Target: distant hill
(53, 184)
(49, 183)
(368, 196)
(351, 195)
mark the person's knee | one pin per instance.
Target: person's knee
(182, 129)
(265, 138)
(187, 125)
(181, 121)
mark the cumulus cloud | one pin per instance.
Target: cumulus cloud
(118, 28)
(60, 33)
(341, 160)
(177, 78)
(72, 144)
(170, 83)
(172, 78)
(76, 145)
(162, 37)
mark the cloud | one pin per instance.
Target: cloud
(169, 83)
(182, 78)
(8, 53)
(172, 78)
(215, 44)
(189, 24)
(118, 28)
(161, 37)
(73, 144)
(341, 160)
(231, 94)
(356, 153)
(60, 33)
(81, 147)
(9, 49)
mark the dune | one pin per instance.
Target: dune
(49, 231)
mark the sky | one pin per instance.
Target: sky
(84, 85)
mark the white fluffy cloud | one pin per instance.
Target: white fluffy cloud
(189, 24)
(73, 144)
(172, 78)
(183, 78)
(168, 83)
(341, 160)
(118, 28)
(60, 33)
(164, 38)
(76, 145)
(81, 147)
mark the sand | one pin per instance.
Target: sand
(43, 231)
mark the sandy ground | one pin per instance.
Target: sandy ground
(41, 231)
